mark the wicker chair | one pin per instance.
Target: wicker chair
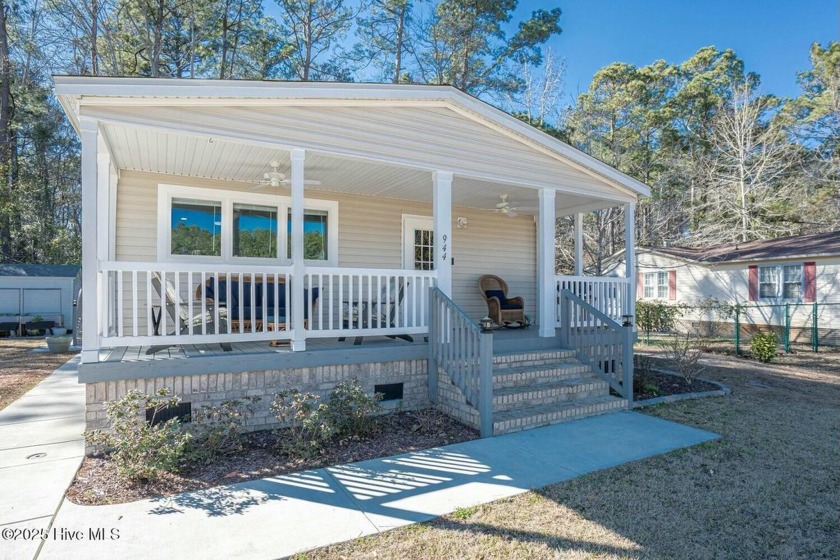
(502, 309)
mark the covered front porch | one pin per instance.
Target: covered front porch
(269, 235)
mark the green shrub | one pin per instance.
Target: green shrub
(217, 430)
(656, 316)
(308, 430)
(312, 424)
(141, 450)
(350, 410)
(764, 346)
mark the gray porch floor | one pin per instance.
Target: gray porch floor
(505, 340)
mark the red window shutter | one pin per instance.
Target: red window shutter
(753, 283)
(672, 284)
(809, 272)
(640, 286)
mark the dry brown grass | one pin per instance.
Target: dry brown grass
(21, 368)
(769, 488)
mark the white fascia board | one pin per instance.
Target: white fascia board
(244, 89)
(139, 90)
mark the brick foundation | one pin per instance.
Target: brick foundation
(214, 388)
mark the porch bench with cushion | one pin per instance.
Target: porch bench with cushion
(252, 313)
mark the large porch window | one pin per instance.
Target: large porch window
(212, 225)
(316, 246)
(254, 231)
(196, 227)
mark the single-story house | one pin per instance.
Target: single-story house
(793, 279)
(33, 291)
(221, 216)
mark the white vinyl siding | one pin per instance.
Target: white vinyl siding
(370, 235)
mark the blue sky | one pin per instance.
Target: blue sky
(772, 37)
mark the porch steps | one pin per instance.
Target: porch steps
(545, 414)
(537, 388)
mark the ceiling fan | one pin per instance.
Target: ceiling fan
(274, 178)
(505, 207)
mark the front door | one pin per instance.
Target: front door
(418, 243)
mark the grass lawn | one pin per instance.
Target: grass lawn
(769, 488)
(21, 368)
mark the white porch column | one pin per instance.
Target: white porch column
(104, 218)
(630, 258)
(578, 244)
(89, 129)
(442, 219)
(546, 285)
(298, 267)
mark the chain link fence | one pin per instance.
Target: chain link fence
(799, 326)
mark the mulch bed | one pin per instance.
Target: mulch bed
(97, 481)
(662, 384)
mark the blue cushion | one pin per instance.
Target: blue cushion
(503, 301)
(496, 293)
(249, 311)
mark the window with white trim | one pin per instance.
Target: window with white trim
(209, 225)
(656, 285)
(780, 282)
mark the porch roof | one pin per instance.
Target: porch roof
(373, 139)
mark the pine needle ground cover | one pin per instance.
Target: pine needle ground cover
(21, 368)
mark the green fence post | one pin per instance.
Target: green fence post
(787, 328)
(737, 331)
(816, 329)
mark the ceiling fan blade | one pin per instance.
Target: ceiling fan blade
(305, 182)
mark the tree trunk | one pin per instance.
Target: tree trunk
(5, 139)
(224, 44)
(157, 40)
(94, 34)
(307, 37)
(399, 46)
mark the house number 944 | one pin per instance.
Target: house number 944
(443, 248)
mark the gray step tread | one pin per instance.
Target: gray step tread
(562, 365)
(543, 414)
(555, 354)
(583, 383)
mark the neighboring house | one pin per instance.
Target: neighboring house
(28, 291)
(769, 277)
(318, 214)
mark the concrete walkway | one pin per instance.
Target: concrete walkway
(41, 447)
(279, 516)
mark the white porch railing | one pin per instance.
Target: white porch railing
(368, 301)
(609, 295)
(177, 303)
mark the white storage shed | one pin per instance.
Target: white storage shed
(31, 290)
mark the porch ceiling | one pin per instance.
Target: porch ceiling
(158, 151)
